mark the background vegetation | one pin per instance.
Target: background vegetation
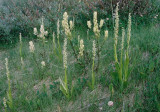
(23, 15)
(38, 90)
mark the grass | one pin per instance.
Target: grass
(32, 93)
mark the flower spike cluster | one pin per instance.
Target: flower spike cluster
(96, 28)
(81, 49)
(43, 33)
(66, 25)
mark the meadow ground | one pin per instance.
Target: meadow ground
(40, 93)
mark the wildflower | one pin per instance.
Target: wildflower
(20, 38)
(71, 24)
(106, 34)
(95, 28)
(129, 29)
(94, 49)
(20, 41)
(101, 23)
(35, 31)
(81, 49)
(43, 64)
(101, 108)
(31, 47)
(116, 29)
(7, 69)
(65, 53)
(4, 102)
(110, 103)
(9, 93)
(53, 38)
(43, 33)
(65, 24)
(89, 24)
(58, 26)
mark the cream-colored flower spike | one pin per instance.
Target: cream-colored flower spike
(116, 29)
(7, 69)
(66, 25)
(81, 49)
(58, 27)
(43, 33)
(20, 38)
(95, 28)
(71, 25)
(106, 34)
(89, 24)
(65, 53)
(129, 29)
(4, 102)
(31, 47)
(43, 64)
(35, 31)
(94, 49)
(101, 23)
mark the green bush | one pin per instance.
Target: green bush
(23, 15)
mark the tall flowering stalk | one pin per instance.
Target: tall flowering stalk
(32, 50)
(96, 27)
(126, 63)
(9, 92)
(92, 84)
(59, 46)
(67, 28)
(116, 30)
(122, 67)
(96, 30)
(41, 35)
(20, 48)
(64, 84)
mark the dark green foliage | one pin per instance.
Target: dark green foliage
(23, 15)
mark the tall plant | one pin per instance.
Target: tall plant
(9, 92)
(122, 65)
(64, 83)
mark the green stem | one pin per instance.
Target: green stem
(98, 54)
(93, 75)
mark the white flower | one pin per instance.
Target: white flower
(101, 23)
(89, 24)
(31, 47)
(43, 64)
(106, 34)
(35, 31)
(110, 103)
(71, 25)
(95, 28)
(4, 102)
(66, 25)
